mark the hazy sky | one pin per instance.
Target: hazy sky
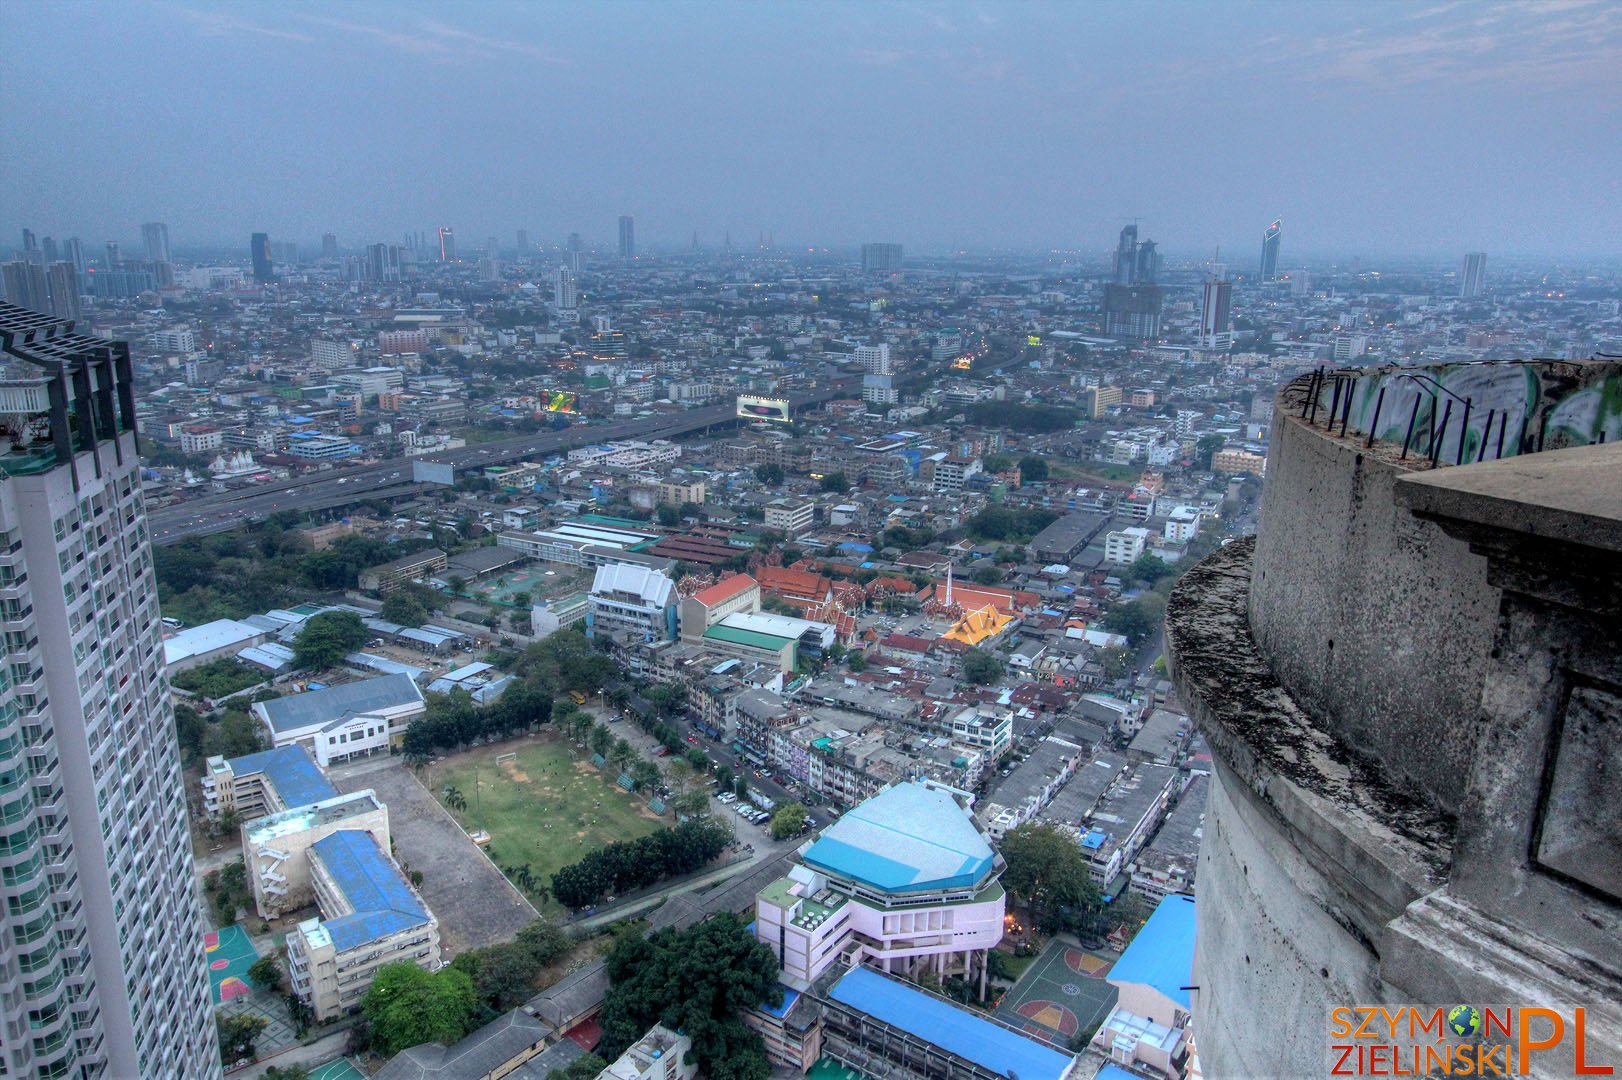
(1369, 127)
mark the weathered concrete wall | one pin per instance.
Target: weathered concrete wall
(1373, 620)
(1268, 958)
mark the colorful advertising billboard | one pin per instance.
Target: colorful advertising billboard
(763, 408)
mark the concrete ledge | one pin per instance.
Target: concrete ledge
(1383, 849)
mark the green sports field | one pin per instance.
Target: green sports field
(544, 808)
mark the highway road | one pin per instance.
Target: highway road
(392, 479)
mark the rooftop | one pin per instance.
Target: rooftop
(1162, 954)
(198, 640)
(909, 837)
(297, 779)
(320, 707)
(956, 1030)
(724, 590)
(747, 637)
(380, 901)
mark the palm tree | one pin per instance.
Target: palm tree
(454, 798)
(578, 724)
(621, 753)
(601, 740)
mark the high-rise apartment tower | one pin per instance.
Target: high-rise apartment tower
(156, 236)
(627, 236)
(1216, 315)
(881, 258)
(264, 267)
(103, 970)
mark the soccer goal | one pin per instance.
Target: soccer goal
(502, 759)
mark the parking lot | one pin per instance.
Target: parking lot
(474, 903)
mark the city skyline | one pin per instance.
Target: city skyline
(667, 138)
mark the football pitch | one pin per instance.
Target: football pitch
(539, 805)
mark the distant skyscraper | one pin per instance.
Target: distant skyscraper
(156, 236)
(1216, 315)
(29, 242)
(523, 241)
(383, 263)
(447, 244)
(1270, 240)
(329, 245)
(1473, 274)
(73, 252)
(881, 258)
(1148, 264)
(47, 247)
(114, 259)
(565, 293)
(1126, 256)
(1132, 311)
(574, 241)
(27, 285)
(106, 975)
(63, 282)
(627, 236)
(490, 247)
(264, 266)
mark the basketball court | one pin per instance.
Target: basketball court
(230, 954)
(537, 581)
(1063, 994)
(337, 1070)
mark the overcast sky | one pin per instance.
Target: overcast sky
(1370, 128)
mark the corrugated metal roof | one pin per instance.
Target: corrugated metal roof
(1162, 953)
(956, 1030)
(747, 637)
(322, 707)
(297, 779)
(381, 900)
(219, 634)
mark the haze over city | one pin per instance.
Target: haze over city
(1395, 129)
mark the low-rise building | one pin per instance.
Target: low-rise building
(268, 782)
(904, 882)
(631, 600)
(1031, 785)
(791, 516)
(1148, 1029)
(345, 721)
(661, 1054)
(400, 572)
(1124, 546)
(370, 916)
(275, 847)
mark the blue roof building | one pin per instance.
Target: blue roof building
(934, 1037)
(370, 916)
(907, 838)
(268, 782)
(1148, 1028)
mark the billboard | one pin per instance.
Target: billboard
(763, 408)
(433, 472)
(561, 401)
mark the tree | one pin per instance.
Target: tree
(1032, 470)
(986, 574)
(835, 482)
(1205, 449)
(1046, 872)
(1136, 619)
(238, 1035)
(621, 753)
(769, 475)
(457, 584)
(601, 740)
(405, 1005)
(695, 980)
(285, 1072)
(266, 972)
(327, 638)
(857, 662)
(788, 820)
(585, 1067)
(668, 515)
(404, 608)
(981, 667)
(644, 774)
(1115, 662)
(724, 776)
(1149, 568)
(454, 798)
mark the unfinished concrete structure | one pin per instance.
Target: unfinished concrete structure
(1411, 682)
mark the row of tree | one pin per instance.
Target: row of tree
(634, 864)
(452, 721)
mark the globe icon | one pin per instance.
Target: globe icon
(1464, 1021)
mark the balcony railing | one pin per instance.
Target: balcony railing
(1452, 414)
